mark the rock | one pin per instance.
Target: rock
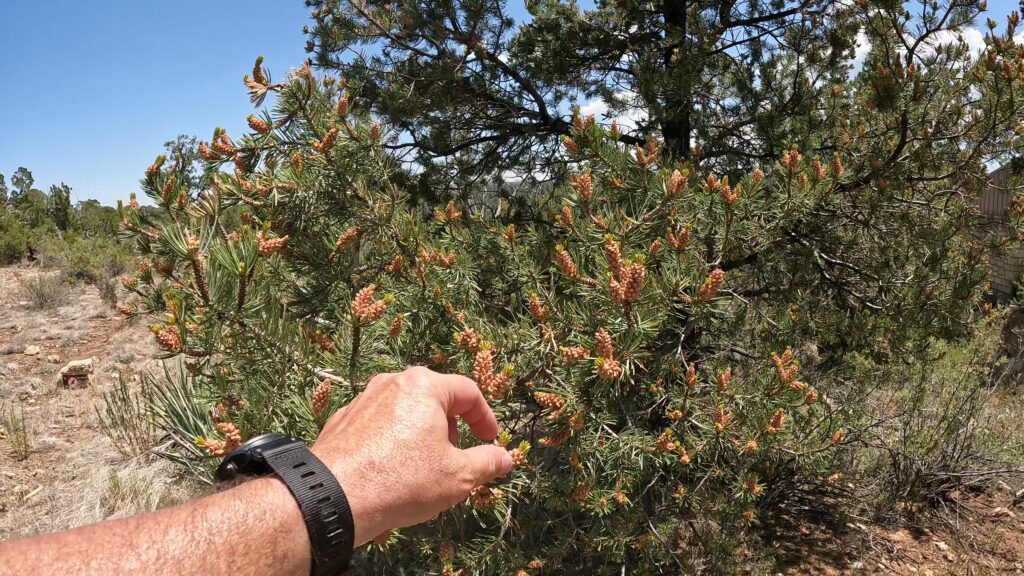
(941, 545)
(1013, 333)
(1018, 498)
(53, 359)
(76, 374)
(1002, 512)
(32, 350)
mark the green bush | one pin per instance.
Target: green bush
(89, 259)
(13, 238)
(932, 429)
(13, 422)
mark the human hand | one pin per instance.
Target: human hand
(393, 448)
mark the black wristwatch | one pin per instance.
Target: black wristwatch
(321, 499)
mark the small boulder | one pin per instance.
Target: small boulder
(1003, 512)
(32, 350)
(53, 359)
(76, 374)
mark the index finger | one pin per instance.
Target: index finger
(461, 397)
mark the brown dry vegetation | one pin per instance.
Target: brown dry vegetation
(73, 474)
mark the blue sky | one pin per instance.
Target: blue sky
(92, 89)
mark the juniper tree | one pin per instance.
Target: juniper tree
(58, 205)
(666, 346)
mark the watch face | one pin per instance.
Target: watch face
(248, 458)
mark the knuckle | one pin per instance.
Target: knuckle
(419, 375)
(380, 380)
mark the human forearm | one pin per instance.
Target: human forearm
(394, 450)
(253, 528)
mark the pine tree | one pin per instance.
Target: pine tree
(667, 347)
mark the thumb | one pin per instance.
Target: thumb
(487, 462)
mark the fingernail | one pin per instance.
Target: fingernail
(506, 462)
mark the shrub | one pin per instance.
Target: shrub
(667, 351)
(124, 417)
(13, 238)
(13, 422)
(44, 291)
(935, 432)
(89, 259)
(108, 290)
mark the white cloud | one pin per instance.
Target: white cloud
(974, 38)
(596, 107)
(860, 52)
(628, 119)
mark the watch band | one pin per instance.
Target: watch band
(323, 504)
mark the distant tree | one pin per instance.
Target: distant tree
(31, 209)
(94, 219)
(22, 181)
(59, 206)
(183, 153)
(3, 191)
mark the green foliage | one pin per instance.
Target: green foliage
(59, 206)
(13, 422)
(44, 291)
(678, 344)
(22, 181)
(94, 219)
(935, 433)
(32, 218)
(90, 259)
(13, 238)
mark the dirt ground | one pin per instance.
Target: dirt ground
(982, 535)
(74, 475)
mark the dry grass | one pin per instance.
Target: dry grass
(95, 483)
(73, 474)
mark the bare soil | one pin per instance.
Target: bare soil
(73, 474)
(980, 534)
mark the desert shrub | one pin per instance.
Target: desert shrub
(44, 290)
(124, 417)
(668, 351)
(934, 425)
(107, 288)
(88, 259)
(13, 422)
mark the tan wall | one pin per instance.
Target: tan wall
(1005, 269)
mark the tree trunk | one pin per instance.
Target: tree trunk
(678, 104)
